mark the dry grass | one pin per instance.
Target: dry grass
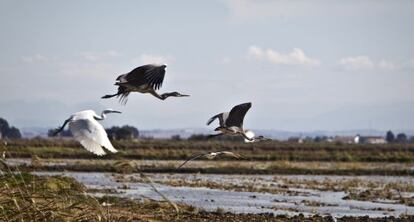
(25, 197)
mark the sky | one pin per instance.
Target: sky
(305, 65)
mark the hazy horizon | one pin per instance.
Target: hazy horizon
(305, 65)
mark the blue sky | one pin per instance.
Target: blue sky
(305, 65)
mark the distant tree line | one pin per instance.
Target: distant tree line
(390, 137)
(122, 133)
(400, 138)
(7, 131)
(114, 133)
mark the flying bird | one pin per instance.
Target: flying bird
(212, 155)
(143, 79)
(89, 132)
(231, 123)
(251, 134)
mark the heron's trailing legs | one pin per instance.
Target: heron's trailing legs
(124, 93)
(110, 96)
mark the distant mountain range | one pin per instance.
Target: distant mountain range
(30, 132)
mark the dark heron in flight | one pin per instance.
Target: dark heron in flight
(144, 79)
(231, 123)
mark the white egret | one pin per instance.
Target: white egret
(89, 132)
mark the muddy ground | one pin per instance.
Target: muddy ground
(24, 197)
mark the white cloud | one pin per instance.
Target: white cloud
(99, 56)
(296, 57)
(387, 65)
(363, 62)
(35, 59)
(153, 59)
(357, 63)
(255, 52)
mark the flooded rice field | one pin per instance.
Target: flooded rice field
(373, 196)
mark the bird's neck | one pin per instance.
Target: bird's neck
(165, 95)
(102, 117)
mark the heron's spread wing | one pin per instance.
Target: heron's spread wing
(221, 116)
(155, 76)
(192, 158)
(224, 153)
(91, 135)
(228, 153)
(237, 114)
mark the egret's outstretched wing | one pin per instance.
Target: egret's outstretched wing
(91, 146)
(91, 135)
(236, 115)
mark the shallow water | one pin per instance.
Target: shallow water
(331, 203)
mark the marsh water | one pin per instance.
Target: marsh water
(289, 203)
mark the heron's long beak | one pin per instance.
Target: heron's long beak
(183, 95)
(115, 111)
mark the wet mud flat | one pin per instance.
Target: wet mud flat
(277, 195)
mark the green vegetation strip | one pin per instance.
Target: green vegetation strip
(179, 150)
(125, 167)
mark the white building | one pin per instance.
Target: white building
(370, 139)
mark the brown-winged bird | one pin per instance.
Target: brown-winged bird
(231, 123)
(143, 79)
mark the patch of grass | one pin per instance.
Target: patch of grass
(217, 167)
(28, 197)
(178, 150)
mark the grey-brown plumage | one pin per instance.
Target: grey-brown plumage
(231, 123)
(211, 156)
(143, 79)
